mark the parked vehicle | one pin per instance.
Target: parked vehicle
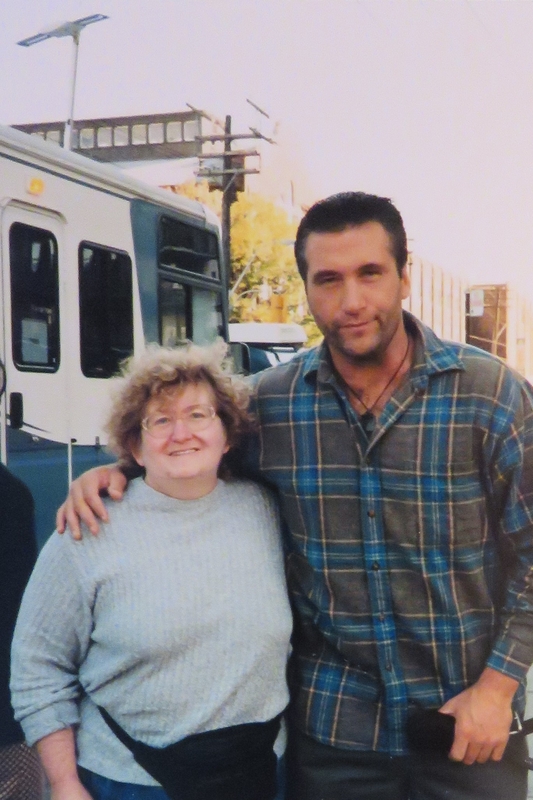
(267, 343)
(94, 265)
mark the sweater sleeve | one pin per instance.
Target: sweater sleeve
(51, 639)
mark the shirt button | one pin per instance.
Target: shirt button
(388, 666)
(375, 565)
(371, 513)
(381, 617)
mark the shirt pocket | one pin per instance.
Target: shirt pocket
(440, 506)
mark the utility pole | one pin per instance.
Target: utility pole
(229, 195)
(231, 169)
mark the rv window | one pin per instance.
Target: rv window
(173, 317)
(206, 316)
(188, 312)
(34, 298)
(106, 310)
(188, 248)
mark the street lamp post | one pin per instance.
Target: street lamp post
(73, 29)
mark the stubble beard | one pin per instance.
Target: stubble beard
(374, 355)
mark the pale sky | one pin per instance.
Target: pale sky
(429, 102)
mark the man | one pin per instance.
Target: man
(403, 465)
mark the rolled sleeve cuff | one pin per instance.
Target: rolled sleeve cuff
(512, 659)
(49, 720)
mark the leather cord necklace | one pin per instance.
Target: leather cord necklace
(369, 409)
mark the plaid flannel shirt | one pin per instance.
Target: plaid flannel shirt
(409, 550)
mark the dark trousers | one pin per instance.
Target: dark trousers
(318, 772)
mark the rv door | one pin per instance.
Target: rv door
(35, 440)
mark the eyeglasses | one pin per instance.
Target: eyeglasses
(196, 418)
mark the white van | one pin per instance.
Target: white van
(268, 343)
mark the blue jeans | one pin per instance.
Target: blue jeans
(101, 788)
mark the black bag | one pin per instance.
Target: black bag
(431, 731)
(235, 763)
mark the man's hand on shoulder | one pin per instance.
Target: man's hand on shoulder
(84, 503)
(483, 717)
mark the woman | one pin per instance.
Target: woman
(174, 622)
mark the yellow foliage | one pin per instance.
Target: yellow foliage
(199, 191)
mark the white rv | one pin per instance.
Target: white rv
(94, 265)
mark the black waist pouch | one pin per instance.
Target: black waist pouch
(235, 763)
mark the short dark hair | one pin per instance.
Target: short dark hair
(349, 210)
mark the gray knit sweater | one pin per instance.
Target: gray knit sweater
(175, 619)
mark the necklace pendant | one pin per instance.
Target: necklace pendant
(368, 421)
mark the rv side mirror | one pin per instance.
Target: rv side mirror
(240, 355)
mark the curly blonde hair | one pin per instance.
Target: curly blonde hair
(161, 371)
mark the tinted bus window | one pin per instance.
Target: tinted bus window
(188, 313)
(190, 305)
(106, 310)
(185, 247)
(206, 315)
(34, 298)
(174, 313)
